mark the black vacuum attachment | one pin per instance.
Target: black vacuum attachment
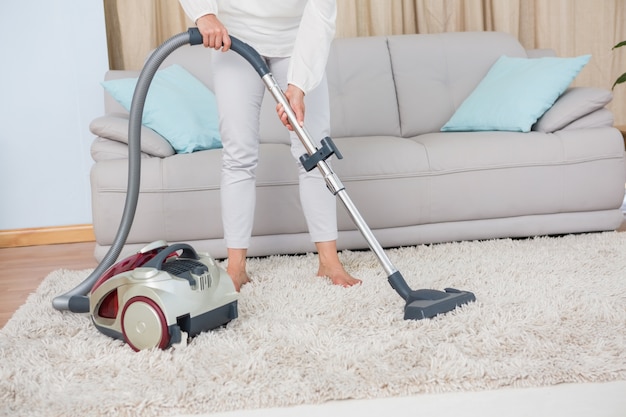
(425, 304)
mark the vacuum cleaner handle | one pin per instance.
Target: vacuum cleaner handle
(242, 48)
(187, 252)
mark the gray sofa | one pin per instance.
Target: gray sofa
(412, 183)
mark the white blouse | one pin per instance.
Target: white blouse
(301, 29)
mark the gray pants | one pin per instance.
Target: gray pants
(239, 92)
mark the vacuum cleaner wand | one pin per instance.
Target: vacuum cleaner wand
(419, 303)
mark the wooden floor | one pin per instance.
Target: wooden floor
(23, 269)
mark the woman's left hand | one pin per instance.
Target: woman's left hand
(295, 97)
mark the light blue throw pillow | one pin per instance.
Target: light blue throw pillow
(515, 93)
(178, 107)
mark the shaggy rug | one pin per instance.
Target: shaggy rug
(548, 311)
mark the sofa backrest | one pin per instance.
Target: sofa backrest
(400, 85)
(362, 94)
(434, 73)
(194, 59)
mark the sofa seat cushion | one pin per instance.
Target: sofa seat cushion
(495, 175)
(376, 157)
(460, 151)
(394, 182)
(172, 188)
(444, 177)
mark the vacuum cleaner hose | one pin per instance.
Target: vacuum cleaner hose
(76, 300)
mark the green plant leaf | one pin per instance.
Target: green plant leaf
(620, 79)
(622, 43)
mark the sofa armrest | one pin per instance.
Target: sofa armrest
(106, 149)
(115, 127)
(575, 103)
(599, 118)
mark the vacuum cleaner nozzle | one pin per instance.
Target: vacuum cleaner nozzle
(424, 304)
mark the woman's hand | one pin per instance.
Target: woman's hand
(295, 97)
(214, 33)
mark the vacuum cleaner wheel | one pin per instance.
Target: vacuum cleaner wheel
(144, 325)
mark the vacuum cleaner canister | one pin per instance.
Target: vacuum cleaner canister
(149, 299)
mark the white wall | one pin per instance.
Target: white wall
(52, 57)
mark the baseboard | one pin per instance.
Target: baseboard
(46, 235)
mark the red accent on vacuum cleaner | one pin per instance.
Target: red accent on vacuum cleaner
(127, 264)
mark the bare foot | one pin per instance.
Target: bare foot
(331, 267)
(239, 278)
(338, 276)
(237, 267)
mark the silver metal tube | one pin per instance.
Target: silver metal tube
(333, 182)
(384, 260)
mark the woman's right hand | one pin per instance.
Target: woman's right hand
(214, 33)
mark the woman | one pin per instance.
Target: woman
(294, 38)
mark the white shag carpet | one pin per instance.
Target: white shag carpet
(548, 311)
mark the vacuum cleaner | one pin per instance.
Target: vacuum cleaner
(156, 314)
(150, 298)
(156, 295)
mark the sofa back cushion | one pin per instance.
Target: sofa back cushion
(401, 85)
(363, 98)
(360, 82)
(434, 73)
(112, 106)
